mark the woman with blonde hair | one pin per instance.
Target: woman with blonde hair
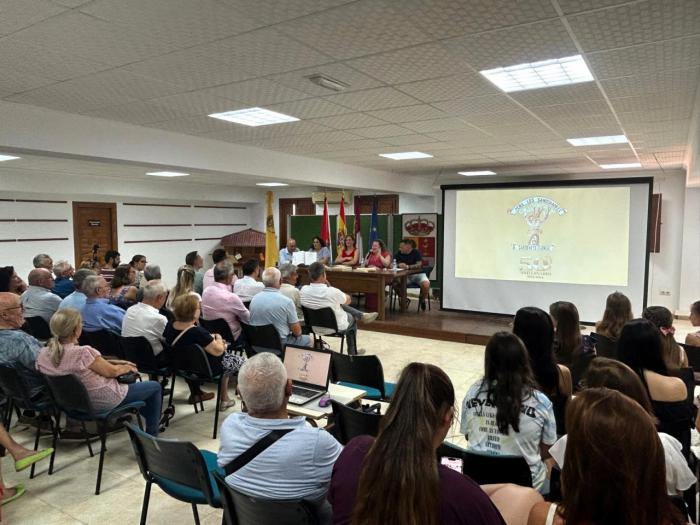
(184, 286)
(618, 310)
(62, 355)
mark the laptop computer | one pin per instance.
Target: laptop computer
(309, 370)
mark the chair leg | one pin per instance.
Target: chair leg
(87, 439)
(342, 343)
(195, 513)
(54, 442)
(102, 425)
(36, 446)
(172, 389)
(146, 500)
(218, 405)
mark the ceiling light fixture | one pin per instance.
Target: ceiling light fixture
(3, 158)
(546, 73)
(167, 174)
(254, 117)
(328, 82)
(271, 184)
(621, 166)
(406, 155)
(477, 172)
(598, 141)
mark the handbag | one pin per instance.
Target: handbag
(128, 378)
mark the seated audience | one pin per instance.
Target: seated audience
(299, 466)
(143, 319)
(673, 353)
(609, 373)
(408, 258)
(184, 286)
(150, 273)
(248, 285)
(217, 256)
(37, 299)
(184, 332)
(618, 310)
(504, 413)
(692, 339)
(614, 466)
(10, 281)
(219, 302)
(396, 478)
(97, 313)
(349, 255)
(138, 263)
(112, 260)
(63, 355)
(122, 291)
(63, 284)
(77, 299)
(271, 307)
(43, 260)
(289, 287)
(195, 260)
(287, 253)
(323, 253)
(568, 342)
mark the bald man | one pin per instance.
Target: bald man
(38, 301)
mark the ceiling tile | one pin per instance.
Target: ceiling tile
(299, 79)
(274, 11)
(192, 125)
(578, 6)
(240, 133)
(476, 105)
(454, 87)
(137, 113)
(388, 130)
(257, 92)
(406, 140)
(350, 121)
(20, 82)
(409, 113)
(18, 14)
(677, 81)
(575, 93)
(439, 124)
(196, 103)
(309, 108)
(378, 98)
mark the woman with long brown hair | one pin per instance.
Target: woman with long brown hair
(618, 310)
(661, 317)
(568, 343)
(614, 471)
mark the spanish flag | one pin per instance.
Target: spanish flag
(341, 228)
(271, 249)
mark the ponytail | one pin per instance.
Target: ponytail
(64, 323)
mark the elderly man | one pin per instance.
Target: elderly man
(248, 286)
(37, 300)
(300, 465)
(143, 319)
(97, 313)
(287, 253)
(217, 256)
(219, 302)
(77, 298)
(63, 284)
(43, 260)
(271, 307)
(289, 287)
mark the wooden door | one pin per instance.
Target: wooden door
(289, 207)
(94, 223)
(388, 204)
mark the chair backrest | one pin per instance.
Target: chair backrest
(321, 321)
(106, 342)
(359, 369)
(70, 394)
(14, 387)
(218, 326)
(693, 353)
(262, 338)
(138, 350)
(604, 346)
(485, 469)
(191, 362)
(37, 327)
(227, 503)
(351, 422)
(155, 459)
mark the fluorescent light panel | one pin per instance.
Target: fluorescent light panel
(621, 166)
(477, 172)
(167, 174)
(546, 73)
(254, 117)
(3, 158)
(405, 155)
(598, 141)
(271, 184)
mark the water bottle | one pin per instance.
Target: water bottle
(394, 267)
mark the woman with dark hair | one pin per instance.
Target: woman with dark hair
(138, 263)
(568, 343)
(323, 253)
(379, 256)
(10, 281)
(349, 255)
(122, 291)
(505, 413)
(618, 310)
(674, 356)
(614, 469)
(693, 339)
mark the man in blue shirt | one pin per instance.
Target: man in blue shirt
(271, 307)
(287, 254)
(77, 299)
(63, 284)
(97, 313)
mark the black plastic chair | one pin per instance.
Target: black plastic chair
(139, 351)
(693, 353)
(604, 346)
(350, 422)
(38, 327)
(394, 296)
(188, 479)
(323, 322)
(361, 371)
(105, 341)
(218, 326)
(240, 509)
(72, 398)
(191, 363)
(263, 338)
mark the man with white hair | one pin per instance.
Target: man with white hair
(37, 299)
(43, 260)
(144, 319)
(299, 464)
(97, 313)
(272, 307)
(63, 284)
(77, 299)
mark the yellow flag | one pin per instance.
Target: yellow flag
(271, 248)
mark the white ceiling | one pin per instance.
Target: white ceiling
(412, 67)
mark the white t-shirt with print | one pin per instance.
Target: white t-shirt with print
(317, 295)
(537, 425)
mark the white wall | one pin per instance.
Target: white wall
(690, 254)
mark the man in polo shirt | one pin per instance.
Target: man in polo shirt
(77, 299)
(248, 286)
(97, 313)
(299, 465)
(37, 300)
(270, 306)
(219, 302)
(287, 253)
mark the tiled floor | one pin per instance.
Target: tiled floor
(67, 497)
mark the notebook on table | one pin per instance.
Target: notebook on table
(309, 371)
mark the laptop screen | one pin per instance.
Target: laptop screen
(305, 365)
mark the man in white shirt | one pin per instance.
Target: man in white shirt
(217, 256)
(37, 299)
(249, 285)
(143, 319)
(287, 254)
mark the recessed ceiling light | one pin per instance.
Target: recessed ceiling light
(271, 184)
(546, 73)
(167, 174)
(254, 117)
(621, 166)
(3, 158)
(597, 141)
(478, 172)
(405, 155)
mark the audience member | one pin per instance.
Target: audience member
(271, 307)
(395, 478)
(138, 263)
(37, 299)
(568, 343)
(692, 339)
(287, 253)
(63, 284)
(618, 310)
(195, 260)
(62, 355)
(504, 413)
(217, 256)
(143, 319)
(298, 466)
(408, 258)
(112, 260)
(77, 299)
(10, 281)
(184, 332)
(614, 466)
(609, 373)
(97, 313)
(43, 260)
(289, 287)
(673, 353)
(248, 285)
(150, 273)
(323, 253)
(220, 303)
(184, 286)
(122, 291)
(349, 255)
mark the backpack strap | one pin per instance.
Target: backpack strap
(246, 457)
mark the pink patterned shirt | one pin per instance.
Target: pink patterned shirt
(218, 302)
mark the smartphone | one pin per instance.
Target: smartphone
(453, 463)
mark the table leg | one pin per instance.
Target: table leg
(403, 283)
(381, 284)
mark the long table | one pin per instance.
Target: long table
(357, 281)
(312, 412)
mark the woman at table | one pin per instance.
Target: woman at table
(379, 256)
(323, 253)
(349, 255)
